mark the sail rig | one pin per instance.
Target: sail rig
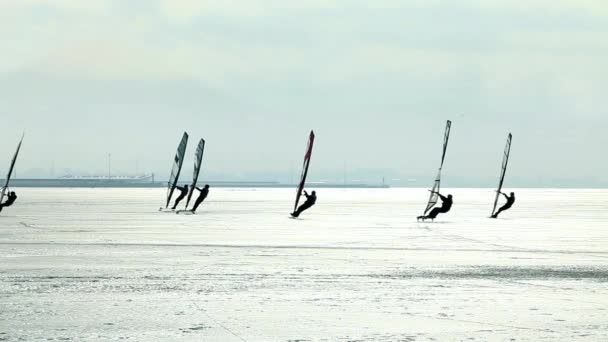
(503, 170)
(198, 159)
(178, 161)
(10, 171)
(434, 196)
(311, 141)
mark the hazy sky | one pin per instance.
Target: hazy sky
(376, 80)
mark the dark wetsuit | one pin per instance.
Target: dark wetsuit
(183, 193)
(9, 201)
(310, 201)
(201, 197)
(445, 207)
(509, 204)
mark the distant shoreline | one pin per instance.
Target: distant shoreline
(127, 183)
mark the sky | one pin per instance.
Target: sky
(376, 80)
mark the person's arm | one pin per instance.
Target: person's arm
(199, 189)
(443, 198)
(507, 197)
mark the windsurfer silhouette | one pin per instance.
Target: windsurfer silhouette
(310, 201)
(508, 205)
(11, 198)
(201, 197)
(445, 207)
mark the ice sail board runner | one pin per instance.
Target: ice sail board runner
(5, 188)
(198, 162)
(305, 165)
(434, 196)
(178, 161)
(503, 171)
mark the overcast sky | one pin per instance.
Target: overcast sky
(375, 79)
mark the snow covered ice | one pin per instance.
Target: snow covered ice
(104, 264)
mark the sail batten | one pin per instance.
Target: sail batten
(198, 159)
(503, 170)
(305, 165)
(178, 161)
(434, 196)
(10, 170)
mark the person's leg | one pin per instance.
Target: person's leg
(301, 209)
(296, 213)
(503, 208)
(304, 207)
(497, 213)
(196, 204)
(433, 214)
(177, 200)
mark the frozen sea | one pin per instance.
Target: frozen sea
(105, 264)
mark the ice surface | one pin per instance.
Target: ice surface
(104, 264)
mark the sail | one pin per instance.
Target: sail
(198, 159)
(503, 170)
(10, 171)
(178, 161)
(311, 140)
(434, 196)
